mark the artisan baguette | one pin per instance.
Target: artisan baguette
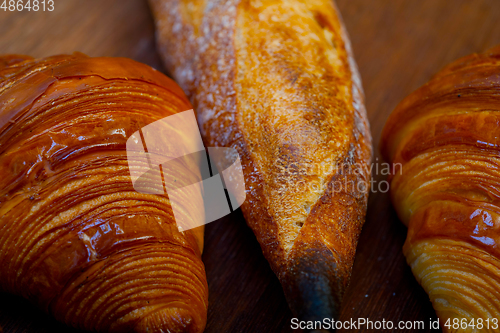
(277, 81)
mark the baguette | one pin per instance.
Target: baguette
(277, 81)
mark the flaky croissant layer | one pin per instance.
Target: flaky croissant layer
(75, 238)
(443, 140)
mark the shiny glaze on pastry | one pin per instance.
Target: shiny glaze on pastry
(444, 140)
(75, 238)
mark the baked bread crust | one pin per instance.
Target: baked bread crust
(277, 81)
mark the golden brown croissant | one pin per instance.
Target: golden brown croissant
(277, 81)
(75, 237)
(443, 143)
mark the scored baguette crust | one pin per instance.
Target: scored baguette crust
(277, 81)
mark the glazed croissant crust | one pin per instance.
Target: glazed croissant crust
(443, 141)
(75, 237)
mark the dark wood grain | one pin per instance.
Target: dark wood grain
(398, 46)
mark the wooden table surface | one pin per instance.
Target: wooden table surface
(398, 45)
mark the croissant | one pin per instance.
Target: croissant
(443, 143)
(75, 237)
(276, 80)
